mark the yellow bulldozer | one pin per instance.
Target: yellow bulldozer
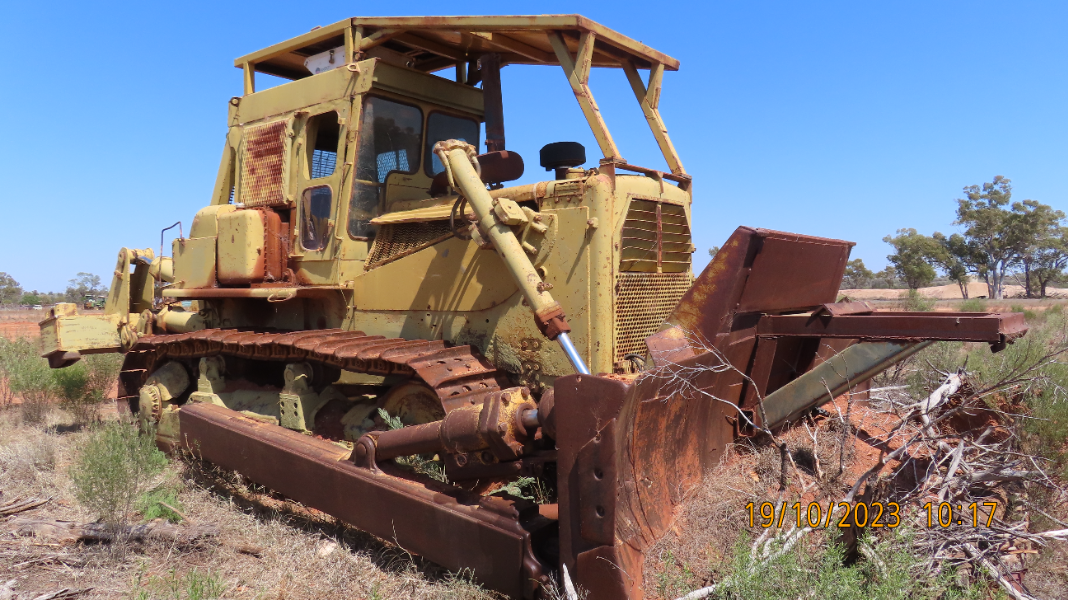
(366, 286)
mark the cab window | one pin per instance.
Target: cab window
(390, 138)
(315, 208)
(440, 126)
(323, 134)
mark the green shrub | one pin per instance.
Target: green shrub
(160, 502)
(29, 378)
(84, 385)
(973, 305)
(887, 570)
(914, 302)
(80, 388)
(72, 385)
(114, 467)
(1046, 432)
(1029, 315)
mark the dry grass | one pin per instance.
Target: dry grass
(268, 547)
(699, 549)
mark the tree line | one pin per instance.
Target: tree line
(83, 285)
(1025, 240)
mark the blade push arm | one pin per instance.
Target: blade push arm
(459, 159)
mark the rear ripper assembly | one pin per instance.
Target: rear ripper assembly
(364, 291)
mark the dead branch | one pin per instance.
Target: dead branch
(70, 532)
(63, 594)
(16, 506)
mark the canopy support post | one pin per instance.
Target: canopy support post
(649, 98)
(578, 75)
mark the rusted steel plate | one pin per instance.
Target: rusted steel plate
(374, 351)
(440, 523)
(335, 341)
(846, 308)
(792, 272)
(628, 456)
(451, 365)
(756, 271)
(351, 349)
(964, 327)
(401, 356)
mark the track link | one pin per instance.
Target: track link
(459, 375)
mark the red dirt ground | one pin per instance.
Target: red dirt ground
(19, 329)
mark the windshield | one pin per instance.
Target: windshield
(390, 134)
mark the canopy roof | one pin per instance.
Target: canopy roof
(435, 43)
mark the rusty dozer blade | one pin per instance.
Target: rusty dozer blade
(760, 323)
(487, 535)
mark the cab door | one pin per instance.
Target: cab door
(319, 152)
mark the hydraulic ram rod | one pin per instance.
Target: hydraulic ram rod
(459, 159)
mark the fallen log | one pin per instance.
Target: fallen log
(70, 532)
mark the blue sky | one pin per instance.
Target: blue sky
(838, 119)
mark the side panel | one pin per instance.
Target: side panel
(452, 275)
(194, 262)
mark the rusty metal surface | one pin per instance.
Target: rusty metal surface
(883, 326)
(455, 529)
(845, 308)
(756, 270)
(793, 272)
(264, 162)
(496, 425)
(458, 374)
(433, 40)
(625, 465)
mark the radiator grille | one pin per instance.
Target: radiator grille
(643, 302)
(401, 239)
(263, 164)
(655, 238)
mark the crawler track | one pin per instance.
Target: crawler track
(458, 374)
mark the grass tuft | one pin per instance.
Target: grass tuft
(191, 585)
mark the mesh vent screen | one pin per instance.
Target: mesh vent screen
(401, 239)
(263, 164)
(643, 301)
(655, 238)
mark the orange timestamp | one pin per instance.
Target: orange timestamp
(862, 514)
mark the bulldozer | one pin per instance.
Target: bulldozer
(371, 317)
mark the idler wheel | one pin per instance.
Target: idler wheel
(413, 403)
